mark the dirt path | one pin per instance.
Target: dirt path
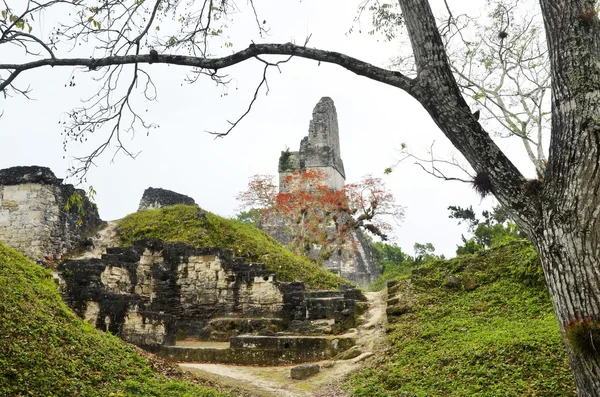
(275, 381)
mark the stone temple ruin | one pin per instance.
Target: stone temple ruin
(321, 150)
(33, 218)
(169, 298)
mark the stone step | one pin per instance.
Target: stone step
(324, 294)
(320, 308)
(262, 350)
(223, 328)
(203, 344)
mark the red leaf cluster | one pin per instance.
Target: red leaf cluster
(319, 216)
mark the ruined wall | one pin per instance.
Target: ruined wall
(320, 149)
(153, 292)
(331, 178)
(355, 262)
(33, 218)
(158, 198)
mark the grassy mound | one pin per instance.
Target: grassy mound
(496, 335)
(45, 350)
(202, 229)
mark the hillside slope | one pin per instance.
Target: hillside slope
(494, 334)
(194, 226)
(45, 350)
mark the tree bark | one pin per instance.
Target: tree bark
(568, 234)
(560, 211)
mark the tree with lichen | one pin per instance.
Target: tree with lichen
(559, 211)
(500, 62)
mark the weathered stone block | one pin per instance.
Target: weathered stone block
(32, 208)
(304, 371)
(157, 198)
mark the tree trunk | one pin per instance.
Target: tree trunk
(570, 261)
(560, 211)
(567, 236)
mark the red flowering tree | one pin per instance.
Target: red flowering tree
(311, 213)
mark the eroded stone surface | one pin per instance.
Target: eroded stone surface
(33, 217)
(320, 149)
(158, 198)
(168, 290)
(304, 371)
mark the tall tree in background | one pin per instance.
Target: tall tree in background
(493, 230)
(559, 212)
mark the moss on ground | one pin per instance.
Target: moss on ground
(46, 350)
(202, 229)
(496, 337)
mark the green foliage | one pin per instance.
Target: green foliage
(78, 201)
(394, 263)
(497, 336)
(388, 256)
(202, 229)
(391, 261)
(251, 217)
(45, 350)
(425, 252)
(495, 229)
(15, 20)
(386, 17)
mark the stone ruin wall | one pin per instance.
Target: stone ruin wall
(157, 198)
(331, 176)
(154, 293)
(320, 150)
(355, 262)
(33, 218)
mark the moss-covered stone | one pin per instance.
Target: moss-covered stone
(497, 335)
(202, 229)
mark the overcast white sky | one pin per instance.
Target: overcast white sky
(374, 120)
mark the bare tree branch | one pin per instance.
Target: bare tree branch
(357, 66)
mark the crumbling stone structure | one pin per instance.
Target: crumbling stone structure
(158, 198)
(154, 292)
(33, 217)
(321, 150)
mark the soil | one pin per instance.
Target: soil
(276, 381)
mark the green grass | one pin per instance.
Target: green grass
(202, 229)
(46, 350)
(501, 338)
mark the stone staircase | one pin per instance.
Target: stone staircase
(260, 350)
(178, 301)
